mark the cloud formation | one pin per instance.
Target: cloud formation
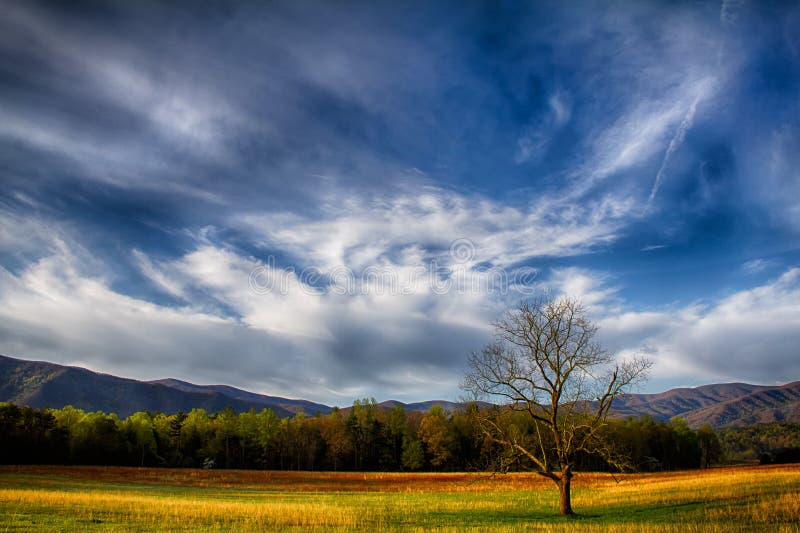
(153, 156)
(749, 335)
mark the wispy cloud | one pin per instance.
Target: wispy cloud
(156, 275)
(754, 266)
(181, 110)
(536, 136)
(357, 230)
(775, 159)
(680, 134)
(641, 132)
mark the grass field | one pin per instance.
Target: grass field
(764, 499)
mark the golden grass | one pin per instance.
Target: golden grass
(296, 481)
(762, 499)
(155, 512)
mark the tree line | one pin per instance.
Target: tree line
(776, 442)
(364, 437)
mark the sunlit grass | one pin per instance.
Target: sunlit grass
(132, 499)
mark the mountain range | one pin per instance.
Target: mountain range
(42, 384)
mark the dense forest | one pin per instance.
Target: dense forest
(363, 437)
(766, 443)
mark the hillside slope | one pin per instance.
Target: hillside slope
(768, 404)
(678, 402)
(42, 384)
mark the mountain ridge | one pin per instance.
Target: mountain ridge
(43, 384)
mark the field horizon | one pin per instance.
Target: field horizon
(68, 498)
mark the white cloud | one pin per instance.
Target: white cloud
(589, 287)
(292, 342)
(56, 312)
(751, 335)
(225, 276)
(356, 231)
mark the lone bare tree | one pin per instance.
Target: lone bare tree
(545, 364)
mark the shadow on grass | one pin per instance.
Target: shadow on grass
(616, 514)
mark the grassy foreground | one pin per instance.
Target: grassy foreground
(143, 499)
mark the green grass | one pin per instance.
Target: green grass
(761, 499)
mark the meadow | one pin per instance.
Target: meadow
(42, 498)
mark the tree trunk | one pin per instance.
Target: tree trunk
(563, 489)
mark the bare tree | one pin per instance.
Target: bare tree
(545, 364)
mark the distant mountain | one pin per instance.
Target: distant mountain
(676, 402)
(767, 404)
(729, 404)
(258, 400)
(421, 406)
(42, 384)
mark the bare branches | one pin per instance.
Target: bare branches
(545, 363)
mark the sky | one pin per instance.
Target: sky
(334, 200)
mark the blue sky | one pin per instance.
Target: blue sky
(334, 200)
